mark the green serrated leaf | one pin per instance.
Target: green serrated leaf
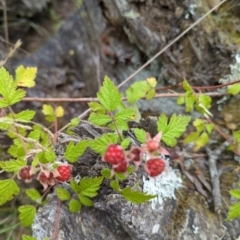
(74, 185)
(115, 185)
(99, 119)
(14, 132)
(35, 161)
(75, 121)
(235, 193)
(48, 110)
(81, 147)
(199, 124)
(50, 155)
(234, 211)
(8, 89)
(150, 94)
(74, 205)
(152, 82)
(120, 176)
(125, 143)
(6, 123)
(203, 103)
(140, 135)
(136, 196)
(16, 151)
(106, 172)
(35, 133)
(97, 107)
(186, 86)
(15, 97)
(59, 111)
(34, 195)
(121, 106)
(89, 186)
(191, 137)
(205, 100)
(201, 141)
(121, 125)
(180, 100)
(12, 165)
(130, 169)
(236, 135)
(27, 237)
(100, 145)
(8, 188)
(45, 139)
(73, 152)
(41, 157)
(85, 200)
(51, 113)
(234, 89)
(27, 214)
(18, 129)
(50, 118)
(25, 116)
(174, 129)
(137, 91)
(62, 194)
(124, 115)
(163, 121)
(136, 186)
(109, 96)
(25, 76)
(137, 117)
(70, 154)
(209, 127)
(189, 102)
(3, 104)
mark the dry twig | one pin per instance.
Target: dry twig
(213, 157)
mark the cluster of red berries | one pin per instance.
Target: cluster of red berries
(47, 177)
(116, 156)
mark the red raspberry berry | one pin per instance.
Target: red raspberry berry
(25, 173)
(65, 172)
(154, 166)
(114, 154)
(121, 167)
(152, 145)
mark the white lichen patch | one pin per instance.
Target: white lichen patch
(233, 76)
(155, 228)
(163, 186)
(235, 71)
(195, 229)
(191, 10)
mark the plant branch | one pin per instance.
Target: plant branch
(214, 87)
(114, 123)
(91, 99)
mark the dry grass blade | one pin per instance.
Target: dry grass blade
(11, 52)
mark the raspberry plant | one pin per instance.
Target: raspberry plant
(32, 152)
